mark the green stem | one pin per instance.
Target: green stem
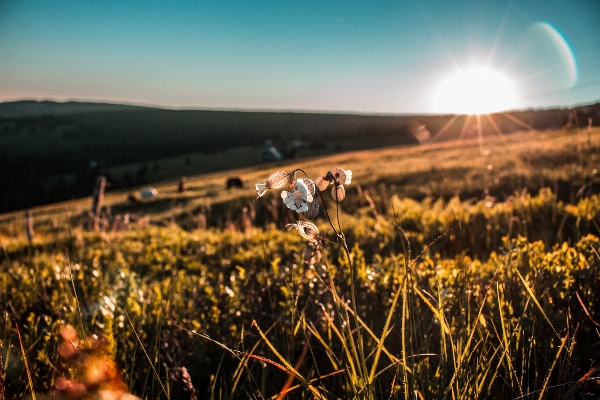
(342, 240)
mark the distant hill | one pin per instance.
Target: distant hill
(52, 151)
(32, 108)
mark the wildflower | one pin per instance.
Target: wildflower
(307, 230)
(301, 195)
(321, 183)
(338, 177)
(276, 180)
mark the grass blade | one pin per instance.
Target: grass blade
(560, 349)
(25, 361)
(384, 334)
(147, 356)
(535, 300)
(288, 366)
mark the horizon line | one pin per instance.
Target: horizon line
(282, 110)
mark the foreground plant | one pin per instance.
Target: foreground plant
(302, 195)
(92, 372)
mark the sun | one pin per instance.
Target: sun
(474, 91)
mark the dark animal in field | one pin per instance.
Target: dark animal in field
(235, 182)
(133, 199)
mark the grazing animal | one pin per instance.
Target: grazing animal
(235, 182)
(132, 199)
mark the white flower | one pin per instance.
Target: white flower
(348, 177)
(298, 199)
(261, 188)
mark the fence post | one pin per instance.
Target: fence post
(97, 198)
(181, 187)
(589, 132)
(29, 225)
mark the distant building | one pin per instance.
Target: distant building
(270, 153)
(149, 193)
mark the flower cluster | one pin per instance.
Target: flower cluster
(301, 195)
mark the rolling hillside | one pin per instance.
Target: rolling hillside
(528, 161)
(52, 152)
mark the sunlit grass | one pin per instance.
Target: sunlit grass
(429, 288)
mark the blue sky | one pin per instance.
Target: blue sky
(378, 56)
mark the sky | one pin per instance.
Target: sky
(356, 56)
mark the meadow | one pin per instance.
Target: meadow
(73, 142)
(462, 269)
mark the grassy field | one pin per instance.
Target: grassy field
(458, 269)
(135, 145)
(73, 142)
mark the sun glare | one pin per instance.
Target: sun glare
(474, 91)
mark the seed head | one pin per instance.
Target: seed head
(291, 179)
(321, 183)
(312, 253)
(307, 230)
(313, 208)
(276, 180)
(341, 176)
(338, 193)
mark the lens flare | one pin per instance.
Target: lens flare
(547, 61)
(474, 91)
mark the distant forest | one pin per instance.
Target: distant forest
(51, 152)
